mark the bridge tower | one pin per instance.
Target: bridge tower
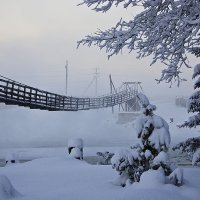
(131, 105)
(130, 109)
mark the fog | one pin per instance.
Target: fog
(21, 127)
(36, 39)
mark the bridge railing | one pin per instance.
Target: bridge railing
(12, 92)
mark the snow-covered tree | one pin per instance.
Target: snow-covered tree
(191, 145)
(152, 130)
(193, 104)
(151, 152)
(165, 29)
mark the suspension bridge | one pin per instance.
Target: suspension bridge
(15, 93)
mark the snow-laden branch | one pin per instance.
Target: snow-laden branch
(166, 29)
(105, 5)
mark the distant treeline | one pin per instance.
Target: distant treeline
(181, 101)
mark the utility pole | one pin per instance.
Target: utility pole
(112, 87)
(96, 75)
(66, 67)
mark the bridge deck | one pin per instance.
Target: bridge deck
(15, 93)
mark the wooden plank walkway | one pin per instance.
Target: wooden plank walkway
(14, 93)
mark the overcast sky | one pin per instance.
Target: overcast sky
(37, 36)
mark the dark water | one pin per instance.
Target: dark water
(93, 160)
(3, 162)
(178, 158)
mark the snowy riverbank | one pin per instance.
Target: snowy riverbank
(90, 156)
(59, 178)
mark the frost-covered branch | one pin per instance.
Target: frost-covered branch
(165, 29)
(105, 5)
(189, 146)
(192, 147)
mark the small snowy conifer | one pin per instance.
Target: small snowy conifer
(151, 152)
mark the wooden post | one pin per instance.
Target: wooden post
(55, 100)
(24, 93)
(46, 98)
(6, 92)
(12, 90)
(36, 96)
(30, 95)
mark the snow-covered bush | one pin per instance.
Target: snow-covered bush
(104, 158)
(151, 152)
(126, 163)
(7, 191)
(75, 148)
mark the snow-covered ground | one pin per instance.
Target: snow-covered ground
(52, 175)
(59, 178)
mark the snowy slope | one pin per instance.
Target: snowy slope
(64, 178)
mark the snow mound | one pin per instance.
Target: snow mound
(11, 158)
(78, 142)
(152, 178)
(76, 153)
(7, 191)
(162, 157)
